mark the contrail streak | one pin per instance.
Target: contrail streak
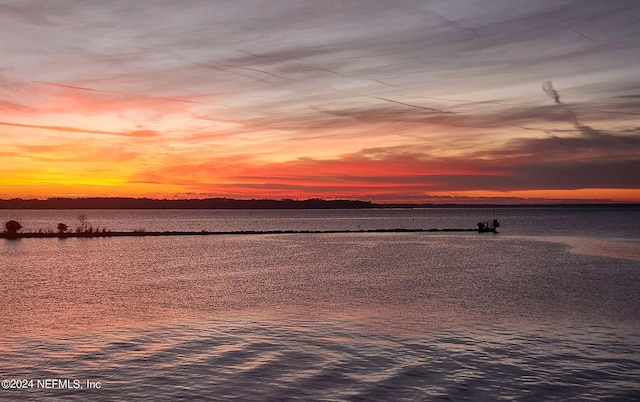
(115, 93)
(410, 105)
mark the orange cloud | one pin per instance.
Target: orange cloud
(410, 173)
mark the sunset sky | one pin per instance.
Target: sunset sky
(381, 100)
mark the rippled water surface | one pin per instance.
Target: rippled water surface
(548, 309)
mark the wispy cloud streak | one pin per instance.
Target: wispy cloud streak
(138, 134)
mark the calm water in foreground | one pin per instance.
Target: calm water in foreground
(548, 309)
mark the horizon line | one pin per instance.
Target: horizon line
(284, 203)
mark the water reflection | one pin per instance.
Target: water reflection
(614, 248)
(255, 359)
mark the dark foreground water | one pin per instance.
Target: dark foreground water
(548, 309)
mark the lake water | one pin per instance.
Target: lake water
(547, 309)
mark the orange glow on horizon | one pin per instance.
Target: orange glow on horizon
(375, 193)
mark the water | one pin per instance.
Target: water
(548, 309)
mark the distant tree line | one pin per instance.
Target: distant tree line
(207, 203)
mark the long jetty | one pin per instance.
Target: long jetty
(39, 235)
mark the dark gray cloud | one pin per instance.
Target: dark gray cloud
(547, 86)
(548, 176)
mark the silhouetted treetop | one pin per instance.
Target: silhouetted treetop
(62, 228)
(12, 227)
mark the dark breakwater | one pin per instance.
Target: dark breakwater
(214, 233)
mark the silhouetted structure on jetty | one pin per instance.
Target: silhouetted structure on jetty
(488, 227)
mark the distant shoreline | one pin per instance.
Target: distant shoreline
(229, 203)
(37, 235)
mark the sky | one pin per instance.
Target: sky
(380, 100)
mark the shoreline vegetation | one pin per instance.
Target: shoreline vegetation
(141, 233)
(230, 203)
